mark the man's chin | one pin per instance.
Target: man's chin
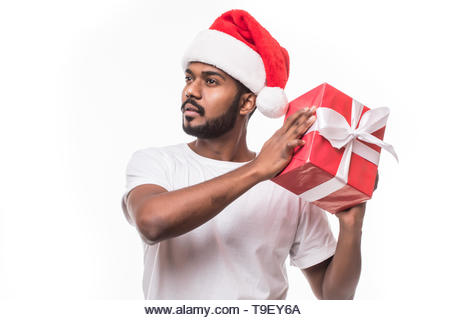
(199, 133)
(192, 131)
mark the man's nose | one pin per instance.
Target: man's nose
(193, 90)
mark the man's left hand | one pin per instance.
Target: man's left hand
(352, 217)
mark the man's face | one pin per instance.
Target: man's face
(210, 101)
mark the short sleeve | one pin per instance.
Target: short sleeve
(314, 241)
(146, 166)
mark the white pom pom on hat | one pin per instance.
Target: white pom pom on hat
(272, 102)
(237, 44)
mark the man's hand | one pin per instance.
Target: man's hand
(278, 150)
(376, 182)
(353, 217)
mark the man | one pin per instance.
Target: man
(213, 224)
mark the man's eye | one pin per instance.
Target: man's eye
(211, 81)
(187, 78)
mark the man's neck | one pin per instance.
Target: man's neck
(225, 148)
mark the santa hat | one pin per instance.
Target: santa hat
(237, 44)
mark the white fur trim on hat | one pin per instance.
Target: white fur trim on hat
(230, 55)
(272, 102)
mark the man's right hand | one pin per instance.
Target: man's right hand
(277, 152)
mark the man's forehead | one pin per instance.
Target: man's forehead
(205, 67)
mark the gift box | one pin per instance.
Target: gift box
(337, 167)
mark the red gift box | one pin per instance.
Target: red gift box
(337, 166)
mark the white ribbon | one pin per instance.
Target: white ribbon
(335, 128)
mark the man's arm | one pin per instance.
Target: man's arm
(161, 215)
(338, 276)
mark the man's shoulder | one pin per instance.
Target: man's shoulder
(161, 151)
(156, 158)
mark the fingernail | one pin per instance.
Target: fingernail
(306, 109)
(314, 108)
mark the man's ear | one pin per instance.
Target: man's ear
(248, 103)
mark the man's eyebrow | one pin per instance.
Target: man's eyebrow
(206, 73)
(213, 73)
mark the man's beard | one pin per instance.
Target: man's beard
(216, 127)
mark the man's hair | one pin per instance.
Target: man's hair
(241, 90)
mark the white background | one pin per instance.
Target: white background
(83, 84)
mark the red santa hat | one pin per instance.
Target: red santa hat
(237, 44)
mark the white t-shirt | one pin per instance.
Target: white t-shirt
(241, 252)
